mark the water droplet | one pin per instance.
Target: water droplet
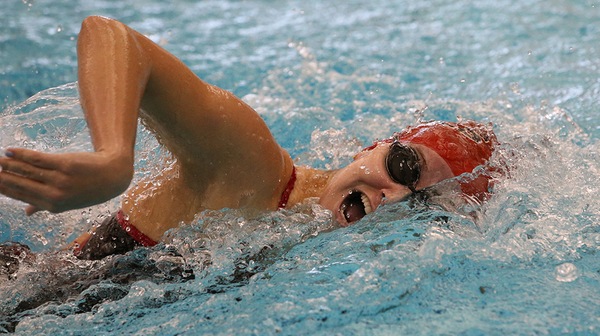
(566, 272)
(514, 87)
(28, 3)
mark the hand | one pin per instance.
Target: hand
(61, 182)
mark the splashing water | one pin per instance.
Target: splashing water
(327, 85)
(403, 252)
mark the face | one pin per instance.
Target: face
(365, 184)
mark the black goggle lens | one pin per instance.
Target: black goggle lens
(402, 163)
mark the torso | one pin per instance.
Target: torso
(177, 195)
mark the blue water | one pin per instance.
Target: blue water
(328, 77)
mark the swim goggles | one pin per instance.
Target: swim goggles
(403, 165)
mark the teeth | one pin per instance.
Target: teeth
(366, 203)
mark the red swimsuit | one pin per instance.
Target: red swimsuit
(117, 235)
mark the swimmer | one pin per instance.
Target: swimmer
(225, 155)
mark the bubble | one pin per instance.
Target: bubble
(28, 3)
(566, 272)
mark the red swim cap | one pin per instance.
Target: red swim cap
(463, 145)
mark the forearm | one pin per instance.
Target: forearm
(113, 71)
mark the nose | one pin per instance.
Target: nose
(373, 176)
(379, 183)
(394, 193)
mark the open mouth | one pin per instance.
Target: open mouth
(355, 206)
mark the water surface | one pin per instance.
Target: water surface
(328, 78)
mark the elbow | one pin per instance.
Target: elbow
(98, 28)
(95, 22)
(97, 19)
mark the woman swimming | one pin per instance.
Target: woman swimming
(225, 156)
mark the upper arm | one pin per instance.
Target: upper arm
(209, 128)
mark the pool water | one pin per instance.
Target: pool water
(328, 77)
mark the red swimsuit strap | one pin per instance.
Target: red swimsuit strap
(285, 195)
(131, 230)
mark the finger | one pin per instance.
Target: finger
(26, 170)
(31, 209)
(38, 159)
(28, 191)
